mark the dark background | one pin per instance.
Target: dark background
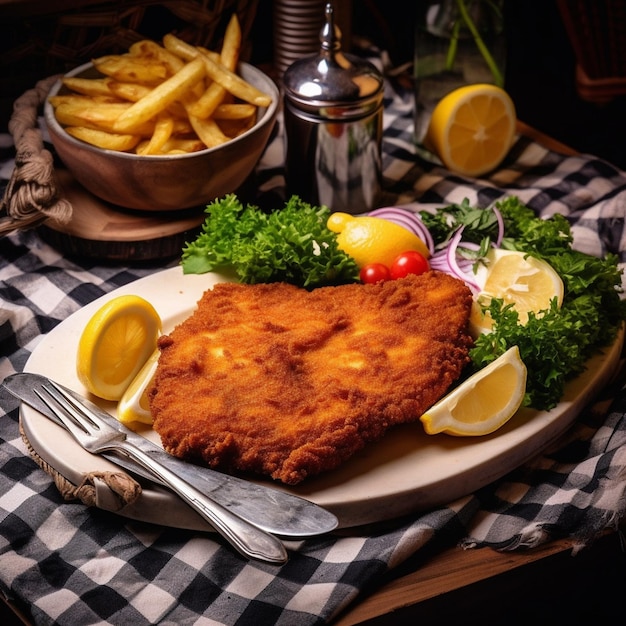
(540, 74)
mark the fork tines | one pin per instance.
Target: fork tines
(59, 399)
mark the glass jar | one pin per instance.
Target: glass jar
(457, 43)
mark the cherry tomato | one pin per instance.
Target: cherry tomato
(374, 273)
(410, 262)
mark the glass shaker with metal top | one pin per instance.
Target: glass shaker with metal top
(333, 107)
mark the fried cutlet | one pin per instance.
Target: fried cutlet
(281, 381)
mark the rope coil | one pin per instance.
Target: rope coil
(32, 194)
(124, 489)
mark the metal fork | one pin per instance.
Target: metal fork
(96, 436)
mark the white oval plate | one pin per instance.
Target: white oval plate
(408, 471)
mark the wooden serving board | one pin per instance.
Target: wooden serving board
(101, 230)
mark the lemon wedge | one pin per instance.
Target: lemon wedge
(114, 345)
(373, 239)
(134, 405)
(482, 403)
(525, 282)
(472, 128)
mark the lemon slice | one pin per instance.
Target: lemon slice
(482, 403)
(525, 282)
(114, 345)
(472, 128)
(134, 405)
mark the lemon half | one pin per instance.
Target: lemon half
(115, 344)
(482, 403)
(472, 128)
(525, 282)
(373, 239)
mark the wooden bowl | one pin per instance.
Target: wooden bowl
(168, 182)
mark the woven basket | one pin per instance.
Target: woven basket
(54, 41)
(597, 32)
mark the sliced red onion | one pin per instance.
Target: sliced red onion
(439, 261)
(498, 215)
(470, 245)
(409, 220)
(447, 260)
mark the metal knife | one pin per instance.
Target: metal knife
(273, 510)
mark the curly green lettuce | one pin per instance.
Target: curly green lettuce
(291, 244)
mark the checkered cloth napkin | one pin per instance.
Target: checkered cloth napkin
(73, 565)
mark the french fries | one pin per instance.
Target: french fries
(103, 139)
(153, 103)
(220, 74)
(128, 91)
(210, 100)
(128, 68)
(163, 129)
(234, 111)
(208, 131)
(88, 86)
(158, 99)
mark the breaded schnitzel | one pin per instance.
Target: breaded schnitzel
(277, 380)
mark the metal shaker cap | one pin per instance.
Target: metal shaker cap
(331, 84)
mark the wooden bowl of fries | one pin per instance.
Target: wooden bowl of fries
(162, 161)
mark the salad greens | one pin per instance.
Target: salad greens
(292, 245)
(555, 345)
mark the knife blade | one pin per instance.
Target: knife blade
(275, 511)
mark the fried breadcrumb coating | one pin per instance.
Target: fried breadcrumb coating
(284, 382)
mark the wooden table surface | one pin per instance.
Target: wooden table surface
(557, 584)
(440, 572)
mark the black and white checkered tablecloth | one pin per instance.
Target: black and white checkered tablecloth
(73, 565)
